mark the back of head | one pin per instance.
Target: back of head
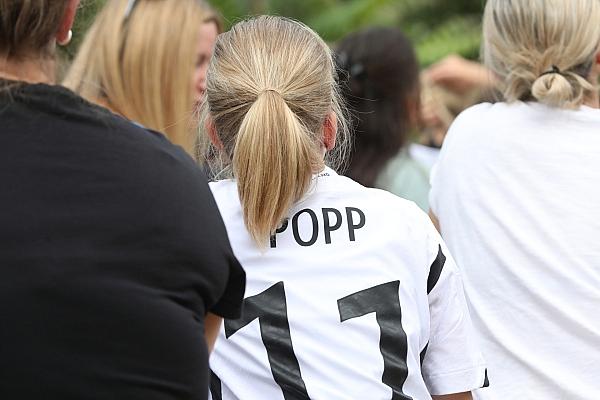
(28, 26)
(139, 62)
(271, 88)
(383, 88)
(542, 49)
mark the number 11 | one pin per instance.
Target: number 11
(270, 307)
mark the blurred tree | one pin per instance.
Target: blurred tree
(85, 16)
(437, 27)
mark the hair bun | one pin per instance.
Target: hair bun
(525, 38)
(557, 89)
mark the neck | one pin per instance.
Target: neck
(28, 70)
(593, 100)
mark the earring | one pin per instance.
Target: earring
(67, 40)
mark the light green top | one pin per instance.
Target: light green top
(407, 178)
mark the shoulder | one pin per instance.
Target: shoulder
(154, 156)
(71, 118)
(484, 110)
(490, 116)
(145, 157)
(476, 124)
(224, 190)
(403, 171)
(386, 207)
(330, 188)
(150, 148)
(221, 186)
(407, 178)
(474, 116)
(226, 196)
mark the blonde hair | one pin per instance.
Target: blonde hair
(270, 88)
(141, 65)
(28, 26)
(542, 49)
(444, 103)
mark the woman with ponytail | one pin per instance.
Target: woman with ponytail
(516, 195)
(332, 266)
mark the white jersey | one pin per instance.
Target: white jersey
(355, 297)
(516, 192)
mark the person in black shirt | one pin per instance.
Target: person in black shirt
(114, 261)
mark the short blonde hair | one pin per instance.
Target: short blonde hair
(141, 65)
(542, 49)
(270, 88)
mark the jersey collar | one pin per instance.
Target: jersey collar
(325, 172)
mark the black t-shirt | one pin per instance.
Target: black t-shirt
(112, 250)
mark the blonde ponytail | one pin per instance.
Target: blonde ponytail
(271, 86)
(542, 49)
(273, 163)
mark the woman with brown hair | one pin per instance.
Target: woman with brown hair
(146, 60)
(382, 87)
(115, 265)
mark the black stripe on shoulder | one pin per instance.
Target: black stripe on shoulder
(486, 381)
(423, 352)
(215, 386)
(436, 270)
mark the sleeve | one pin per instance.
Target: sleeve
(227, 281)
(452, 362)
(434, 188)
(438, 176)
(230, 304)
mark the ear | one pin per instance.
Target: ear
(330, 128)
(211, 130)
(62, 35)
(595, 71)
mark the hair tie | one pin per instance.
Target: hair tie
(270, 90)
(554, 70)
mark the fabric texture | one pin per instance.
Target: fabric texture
(516, 195)
(407, 178)
(352, 294)
(112, 252)
(425, 155)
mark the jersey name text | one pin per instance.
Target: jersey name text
(332, 221)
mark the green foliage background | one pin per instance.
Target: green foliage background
(437, 27)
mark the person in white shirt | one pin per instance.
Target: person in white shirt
(516, 196)
(351, 293)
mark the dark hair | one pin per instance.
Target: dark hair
(382, 75)
(27, 26)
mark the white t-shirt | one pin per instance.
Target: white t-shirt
(352, 265)
(517, 195)
(425, 155)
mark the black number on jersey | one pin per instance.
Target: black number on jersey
(384, 301)
(270, 307)
(216, 390)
